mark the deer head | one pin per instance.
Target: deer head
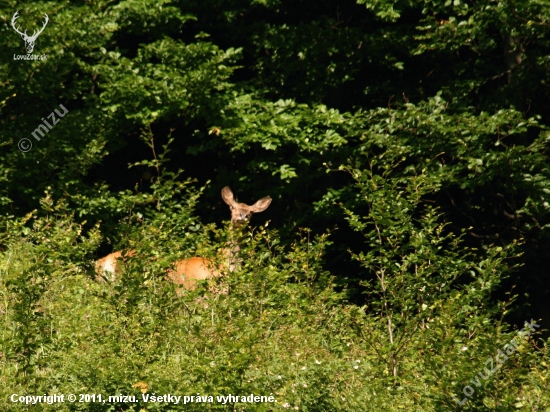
(241, 212)
(29, 40)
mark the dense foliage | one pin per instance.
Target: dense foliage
(405, 145)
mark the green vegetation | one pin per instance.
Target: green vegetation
(405, 145)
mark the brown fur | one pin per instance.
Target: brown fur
(188, 271)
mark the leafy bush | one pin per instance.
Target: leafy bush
(282, 329)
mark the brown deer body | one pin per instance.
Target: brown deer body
(188, 271)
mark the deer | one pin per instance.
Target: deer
(188, 271)
(29, 40)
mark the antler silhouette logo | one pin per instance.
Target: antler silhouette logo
(29, 40)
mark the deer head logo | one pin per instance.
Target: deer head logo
(29, 40)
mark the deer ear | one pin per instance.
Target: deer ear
(227, 196)
(261, 204)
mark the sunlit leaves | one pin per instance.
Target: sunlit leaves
(166, 78)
